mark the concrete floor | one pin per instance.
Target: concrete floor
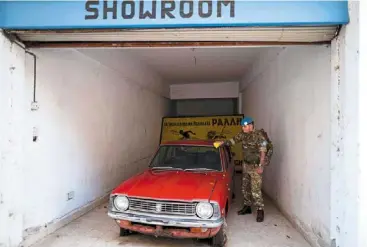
(96, 229)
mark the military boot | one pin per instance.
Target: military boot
(245, 210)
(260, 215)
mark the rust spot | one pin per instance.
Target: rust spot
(170, 231)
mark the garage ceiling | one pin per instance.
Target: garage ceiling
(185, 65)
(190, 65)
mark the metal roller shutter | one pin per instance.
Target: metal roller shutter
(311, 34)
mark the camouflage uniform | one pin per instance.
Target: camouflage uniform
(252, 144)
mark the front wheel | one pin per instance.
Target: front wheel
(220, 239)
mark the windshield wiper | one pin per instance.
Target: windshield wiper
(200, 169)
(166, 168)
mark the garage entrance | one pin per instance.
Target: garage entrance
(105, 107)
(99, 94)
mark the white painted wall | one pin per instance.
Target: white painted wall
(204, 90)
(348, 184)
(362, 100)
(287, 92)
(12, 107)
(97, 125)
(206, 107)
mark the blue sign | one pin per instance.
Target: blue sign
(164, 14)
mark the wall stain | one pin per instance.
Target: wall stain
(333, 243)
(33, 230)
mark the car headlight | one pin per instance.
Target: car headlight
(204, 210)
(121, 203)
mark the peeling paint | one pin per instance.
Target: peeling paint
(333, 243)
(344, 129)
(33, 230)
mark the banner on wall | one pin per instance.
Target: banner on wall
(203, 128)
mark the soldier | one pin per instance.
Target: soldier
(255, 145)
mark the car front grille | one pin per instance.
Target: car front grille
(162, 207)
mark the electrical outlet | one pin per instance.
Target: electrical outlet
(70, 195)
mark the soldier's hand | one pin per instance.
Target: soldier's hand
(260, 170)
(217, 144)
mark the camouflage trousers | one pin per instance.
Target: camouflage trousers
(251, 187)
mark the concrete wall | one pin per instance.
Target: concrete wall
(288, 94)
(12, 107)
(204, 90)
(96, 126)
(205, 107)
(347, 125)
(362, 135)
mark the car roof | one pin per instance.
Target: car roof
(208, 143)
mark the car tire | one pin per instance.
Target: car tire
(124, 232)
(220, 239)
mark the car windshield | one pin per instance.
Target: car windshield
(187, 158)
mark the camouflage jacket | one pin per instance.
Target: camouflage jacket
(252, 144)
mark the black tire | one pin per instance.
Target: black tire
(124, 232)
(220, 239)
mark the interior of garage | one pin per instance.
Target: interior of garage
(99, 113)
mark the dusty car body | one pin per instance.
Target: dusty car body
(185, 192)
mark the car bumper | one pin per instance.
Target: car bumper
(167, 226)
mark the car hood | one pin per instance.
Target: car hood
(170, 185)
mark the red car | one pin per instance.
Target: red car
(185, 192)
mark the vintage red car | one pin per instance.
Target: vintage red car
(185, 192)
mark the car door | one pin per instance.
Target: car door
(229, 172)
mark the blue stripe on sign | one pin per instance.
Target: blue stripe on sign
(129, 14)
